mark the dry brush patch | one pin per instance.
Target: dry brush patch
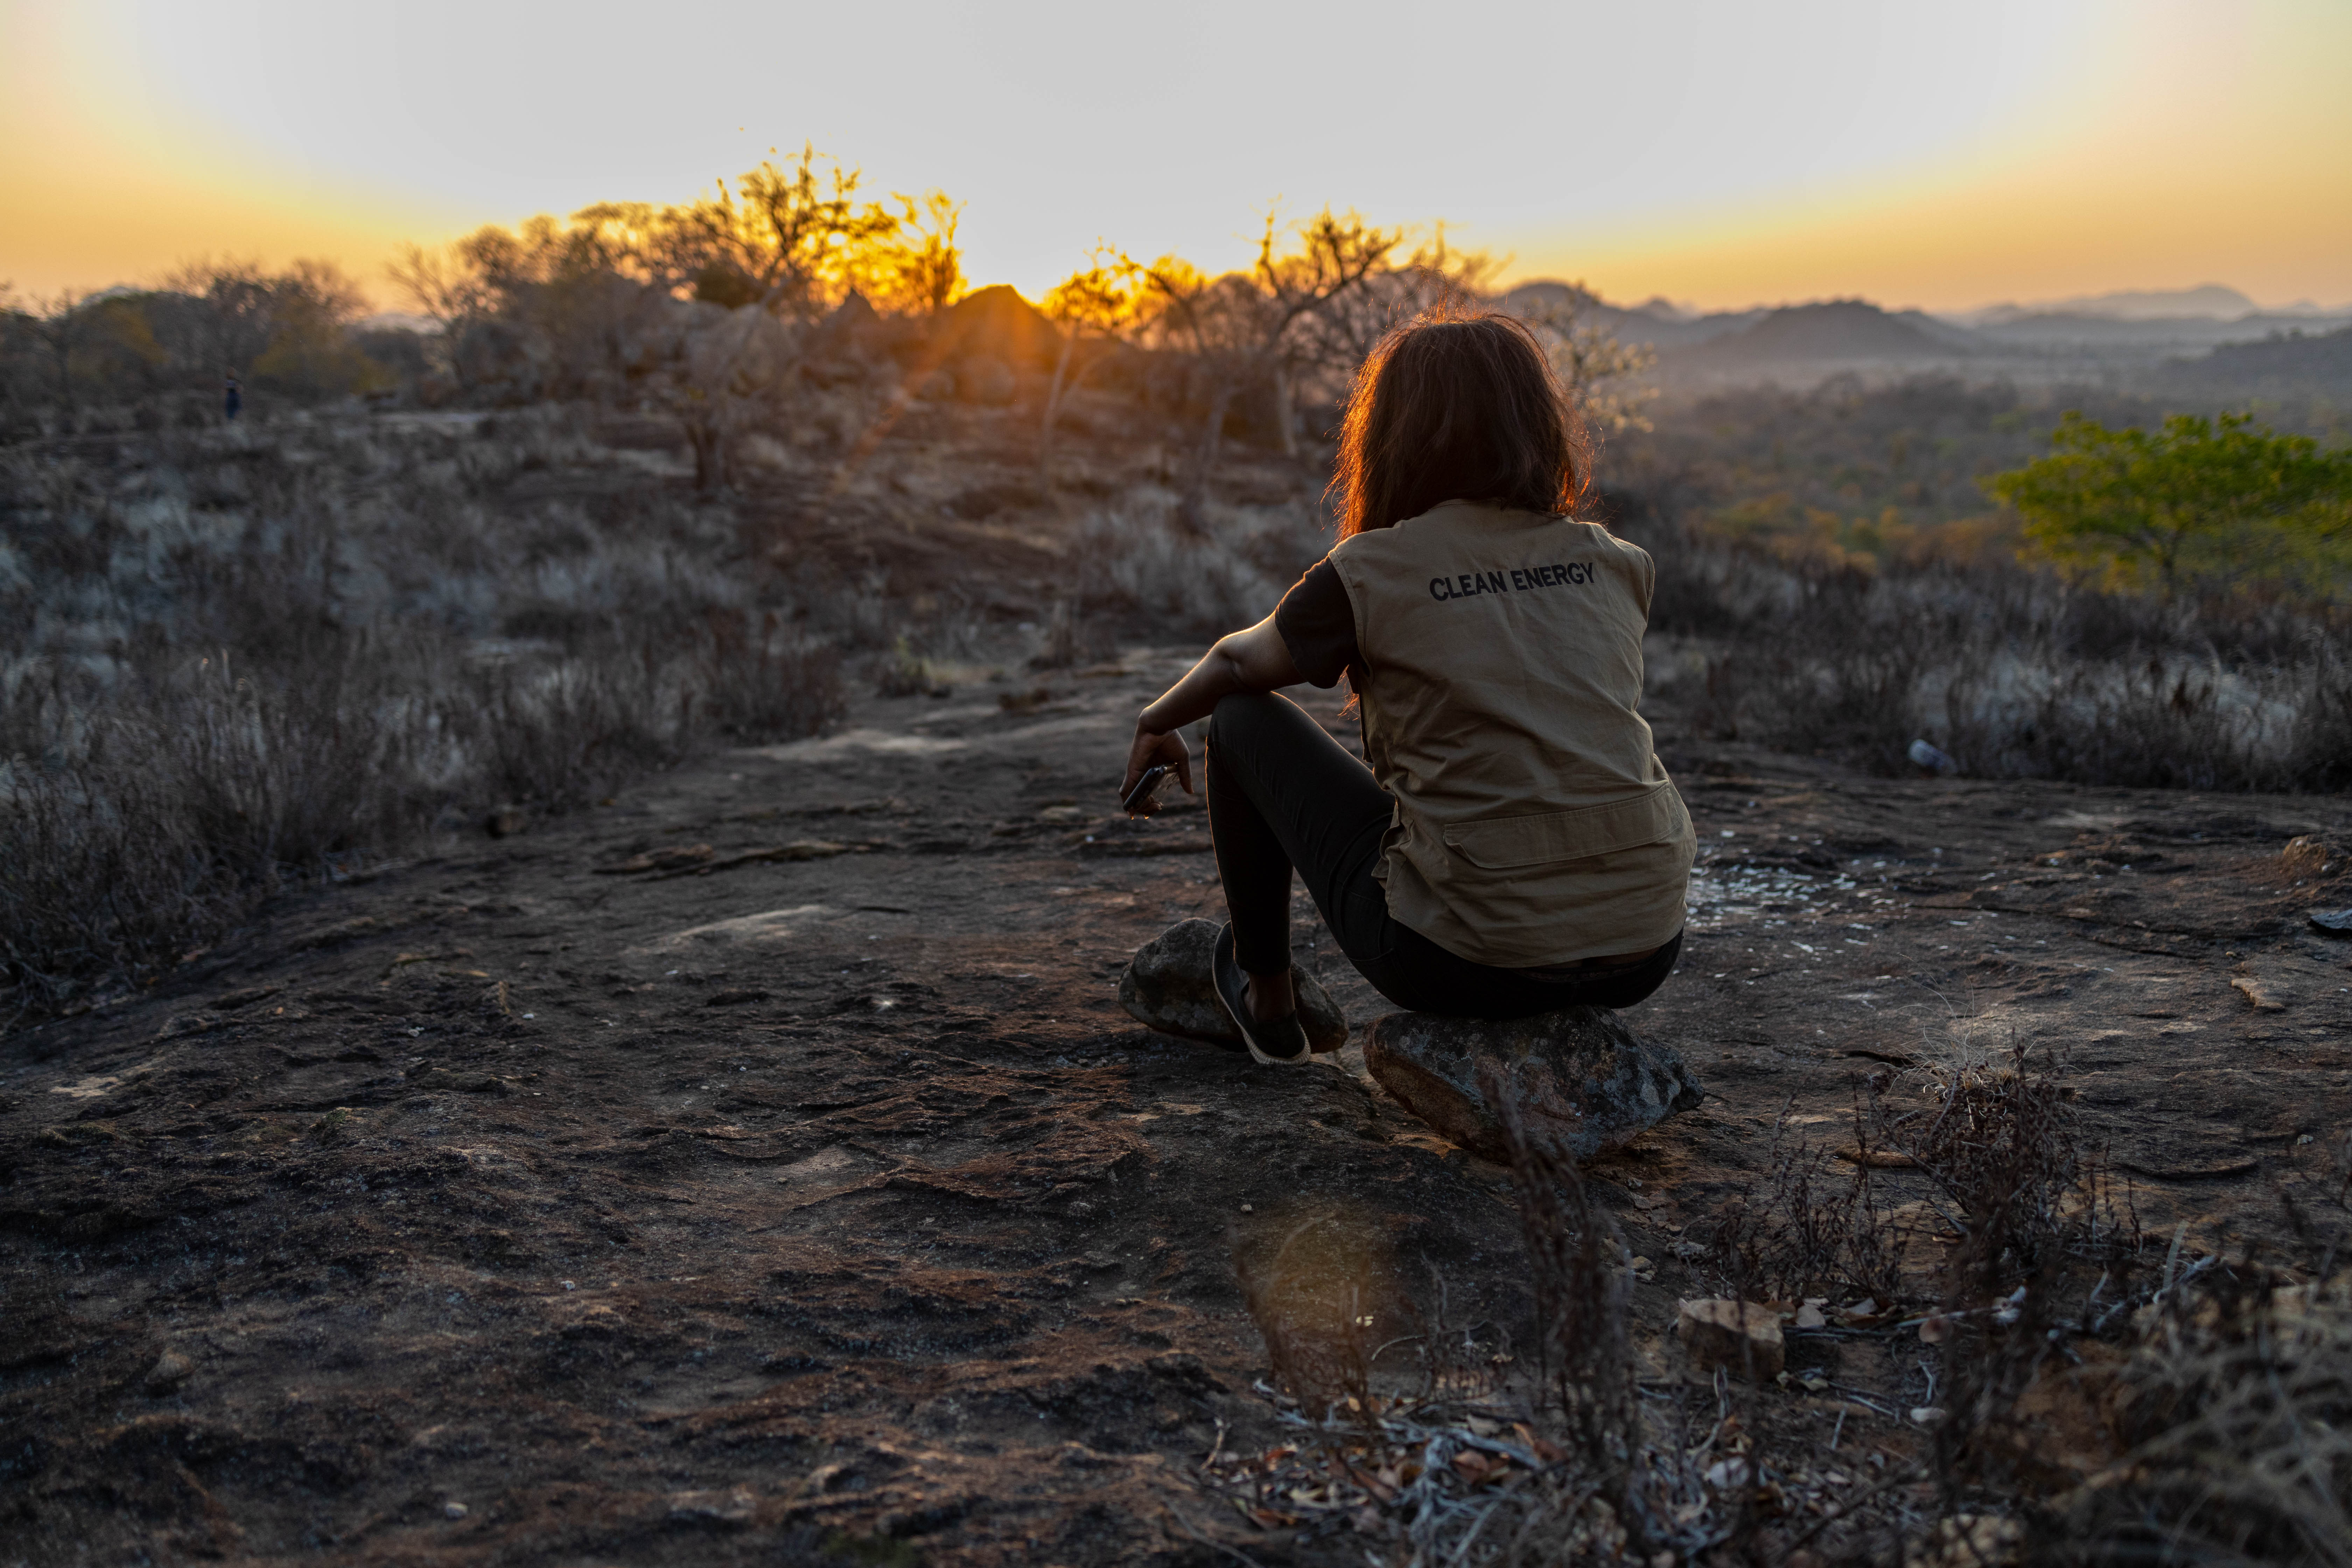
(247, 661)
(2013, 672)
(2019, 1373)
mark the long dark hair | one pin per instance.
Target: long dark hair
(1457, 405)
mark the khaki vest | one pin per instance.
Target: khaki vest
(1502, 663)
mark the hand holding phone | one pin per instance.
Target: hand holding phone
(1143, 799)
(1151, 762)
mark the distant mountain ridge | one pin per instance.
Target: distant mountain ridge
(2124, 333)
(1656, 322)
(2213, 302)
(1836, 332)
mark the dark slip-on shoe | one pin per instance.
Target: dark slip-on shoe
(1277, 1042)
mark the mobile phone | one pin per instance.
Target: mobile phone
(1139, 802)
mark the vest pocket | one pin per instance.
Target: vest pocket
(1500, 843)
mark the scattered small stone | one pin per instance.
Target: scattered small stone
(2335, 923)
(1168, 987)
(734, 1507)
(1809, 1315)
(1932, 758)
(1585, 1080)
(1970, 1541)
(1024, 701)
(675, 858)
(453, 1510)
(170, 1371)
(1740, 1337)
(341, 930)
(1876, 1159)
(1724, 1474)
(2263, 998)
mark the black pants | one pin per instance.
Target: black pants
(1282, 794)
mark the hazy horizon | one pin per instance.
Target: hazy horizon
(1697, 153)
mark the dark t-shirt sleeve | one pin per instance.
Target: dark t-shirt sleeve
(1318, 625)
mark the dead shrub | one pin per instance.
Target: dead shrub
(1071, 638)
(2238, 1402)
(1576, 1265)
(903, 672)
(1316, 1284)
(1817, 1220)
(140, 817)
(1229, 570)
(756, 680)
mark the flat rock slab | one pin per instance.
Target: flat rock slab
(1589, 1083)
(1168, 986)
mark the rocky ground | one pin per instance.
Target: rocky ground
(760, 1167)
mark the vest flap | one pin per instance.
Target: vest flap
(1498, 843)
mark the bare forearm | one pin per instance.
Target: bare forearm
(1256, 660)
(1218, 676)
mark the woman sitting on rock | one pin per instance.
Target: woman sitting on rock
(1514, 846)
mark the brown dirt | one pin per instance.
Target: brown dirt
(703, 1211)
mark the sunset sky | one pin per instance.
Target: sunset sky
(1720, 153)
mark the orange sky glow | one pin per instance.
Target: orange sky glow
(1942, 157)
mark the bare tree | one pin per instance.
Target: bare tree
(723, 368)
(1332, 258)
(915, 265)
(1096, 306)
(446, 286)
(1217, 323)
(1253, 329)
(1341, 336)
(793, 234)
(1598, 372)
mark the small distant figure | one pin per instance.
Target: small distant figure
(232, 395)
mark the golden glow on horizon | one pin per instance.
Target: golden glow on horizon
(2181, 168)
(2066, 148)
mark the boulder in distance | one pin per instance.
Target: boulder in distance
(1168, 987)
(1586, 1081)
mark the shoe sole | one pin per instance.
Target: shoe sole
(1217, 961)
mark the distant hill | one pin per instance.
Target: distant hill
(1658, 322)
(1939, 330)
(1803, 343)
(1842, 331)
(2213, 302)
